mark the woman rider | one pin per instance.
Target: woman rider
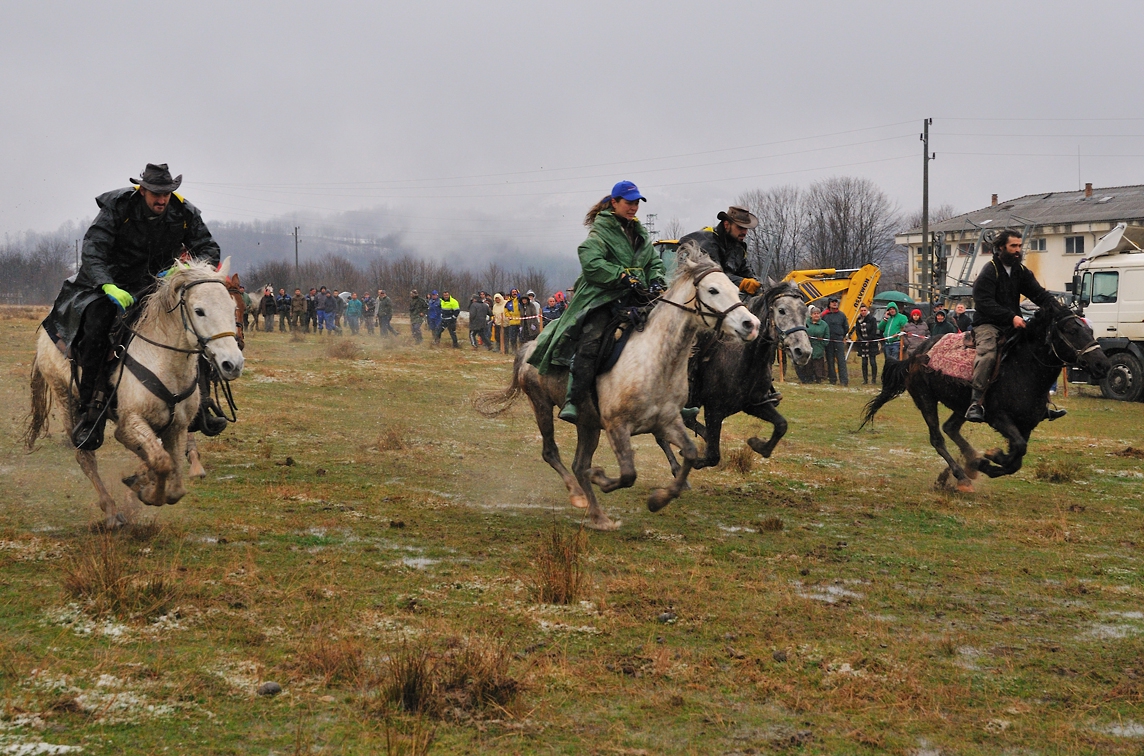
(616, 260)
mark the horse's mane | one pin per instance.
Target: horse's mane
(692, 260)
(165, 298)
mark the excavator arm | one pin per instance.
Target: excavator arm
(853, 288)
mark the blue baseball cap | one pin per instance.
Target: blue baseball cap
(627, 190)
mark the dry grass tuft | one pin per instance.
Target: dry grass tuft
(109, 581)
(408, 736)
(465, 679)
(559, 577)
(332, 658)
(1058, 470)
(1130, 452)
(741, 460)
(343, 349)
(391, 439)
(770, 525)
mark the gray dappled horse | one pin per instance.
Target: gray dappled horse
(735, 376)
(190, 313)
(642, 393)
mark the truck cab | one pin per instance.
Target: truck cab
(1109, 287)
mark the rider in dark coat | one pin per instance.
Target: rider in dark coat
(997, 296)
(724, 244)
(140, 232)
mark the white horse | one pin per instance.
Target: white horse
(643, 393)
(156, 381)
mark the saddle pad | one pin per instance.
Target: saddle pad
(950, 357)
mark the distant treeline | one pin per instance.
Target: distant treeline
(34, 268)
(397, 276)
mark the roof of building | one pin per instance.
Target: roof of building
(1116, 203)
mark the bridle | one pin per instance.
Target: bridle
(188, 323)
(781, 334)
(1092, 346)
(697, 306)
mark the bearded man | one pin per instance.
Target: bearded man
(997, 296)
(140, 232)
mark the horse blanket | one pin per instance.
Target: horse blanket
(951, 357)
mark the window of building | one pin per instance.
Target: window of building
(963, 250)
(1038, 244)
(1074, 245)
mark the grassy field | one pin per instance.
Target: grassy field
(368, 542)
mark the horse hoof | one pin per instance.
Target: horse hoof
(603, 523)
(579, 501)
(759, 447)
(659, 499)
(965, 486)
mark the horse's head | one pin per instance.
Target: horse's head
(715, 299)
(1073, 343)
(786, 311)
(198, 292)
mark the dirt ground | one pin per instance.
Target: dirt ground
(362, 525)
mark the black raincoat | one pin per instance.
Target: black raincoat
(729, 252)
(128, 247)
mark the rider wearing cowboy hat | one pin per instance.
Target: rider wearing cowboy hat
(725, 245)
(140, 232)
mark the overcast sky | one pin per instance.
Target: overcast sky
(501, 122)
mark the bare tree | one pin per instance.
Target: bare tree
(850, 222)
(944, 211)
(774, 247)
(674, 229)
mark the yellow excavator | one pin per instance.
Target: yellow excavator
(853, 287)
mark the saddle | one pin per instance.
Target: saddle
(626, 319)
(954, 353)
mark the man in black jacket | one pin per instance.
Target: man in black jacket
(140, 231)
(868, 337)
(724, 244)
(997, 295)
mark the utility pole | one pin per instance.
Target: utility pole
(77, 255)
(297, 272)
(926, 277)
(650, 226)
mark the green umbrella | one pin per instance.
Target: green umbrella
(893, 296)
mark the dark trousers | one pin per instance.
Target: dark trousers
(480, 336)
(871, 358)
(283, 321)
(587, 353)
(415, 327)
(384, 327)
(447, 324)
(268, 321)
(836, 352)
(92, 346)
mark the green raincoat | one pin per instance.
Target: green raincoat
(604, 256)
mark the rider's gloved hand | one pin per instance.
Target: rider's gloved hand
(121, 298)
(656, 288)
(631, 282)
(749, 286)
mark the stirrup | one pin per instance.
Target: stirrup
(689, 413)
(569, 413)
(1052, 414)
(975, 413)
(87, 435)
(209, 421)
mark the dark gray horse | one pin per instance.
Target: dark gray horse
(735, 376)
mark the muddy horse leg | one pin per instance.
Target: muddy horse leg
(952, 428)
(111, 516)
(587, 439)
(928, 406)
(712, 436)
(135, 433)
(996, 464)
(196, 464)
(175, 444)
(551, 453)
(768, 413)
(620, 440)
(676, 433)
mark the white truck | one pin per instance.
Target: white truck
(1109, 287)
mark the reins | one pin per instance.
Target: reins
(697, 306)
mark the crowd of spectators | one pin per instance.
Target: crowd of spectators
(498, 321)
(895, 337)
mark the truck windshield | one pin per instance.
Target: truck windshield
(1104, 287)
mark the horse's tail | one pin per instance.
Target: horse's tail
(37, 422)
(893, 385)
(493, 403)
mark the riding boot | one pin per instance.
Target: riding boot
(691, 411)
(1054, 413)
(210, 421)
(91, 414)
(581, 381)
(976, 412)
(568, 411)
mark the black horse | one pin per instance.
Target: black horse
(736, 377)
(1014, 403)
